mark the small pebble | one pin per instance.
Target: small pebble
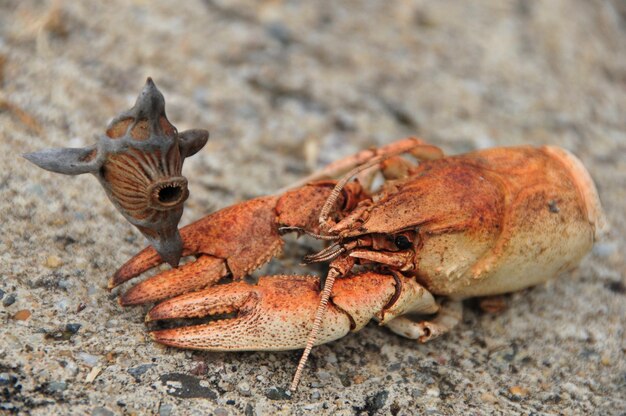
(200, 369)
(53, 262)
(417, 393)
(315, 395)
(65, 284)
(488, 398)
(394, 367)
(22, 315)
(376, 401)
(244, 388)
(433, 392)
(101, 411)
(323, 375)
(220, 411)
(276, 393)
(165, 409)
(139, 370)
(605, 249)
(93, 374)
(71, 368)
(5, 378)
(72, 328)
(358, 379)
(571, 388)
(1, 293)
(90, 360)
(56, 386)
(9, 300)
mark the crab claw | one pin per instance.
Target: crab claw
(233, 241)
(277, 313)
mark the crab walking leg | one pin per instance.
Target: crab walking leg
(413, 146)
(417, 147)
(447, 318)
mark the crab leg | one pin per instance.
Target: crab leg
(234, 241)
(447, 318)
(277, 313)
(410, 145)
(417, 147)
(205, 271)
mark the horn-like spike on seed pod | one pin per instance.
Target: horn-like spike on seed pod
(138, 162)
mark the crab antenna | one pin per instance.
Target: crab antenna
(317, 324)
(334, 194)
(329, 253)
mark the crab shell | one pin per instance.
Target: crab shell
(476, 230)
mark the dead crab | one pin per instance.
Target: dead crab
(483, 223)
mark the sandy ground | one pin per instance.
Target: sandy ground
(285, 87)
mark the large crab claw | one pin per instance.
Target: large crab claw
(233, 241)
(277, 313)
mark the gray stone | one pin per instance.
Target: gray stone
(9, 300)
(89, 359)
(56, 386)
(139, 370)
(102, 411)
(244, 388)
(165, 409)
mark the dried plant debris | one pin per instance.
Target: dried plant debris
(138, 162)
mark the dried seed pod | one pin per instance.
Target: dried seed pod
(138, 162)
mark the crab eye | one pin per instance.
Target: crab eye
(402, 242)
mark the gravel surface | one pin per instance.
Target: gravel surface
(285, 87)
